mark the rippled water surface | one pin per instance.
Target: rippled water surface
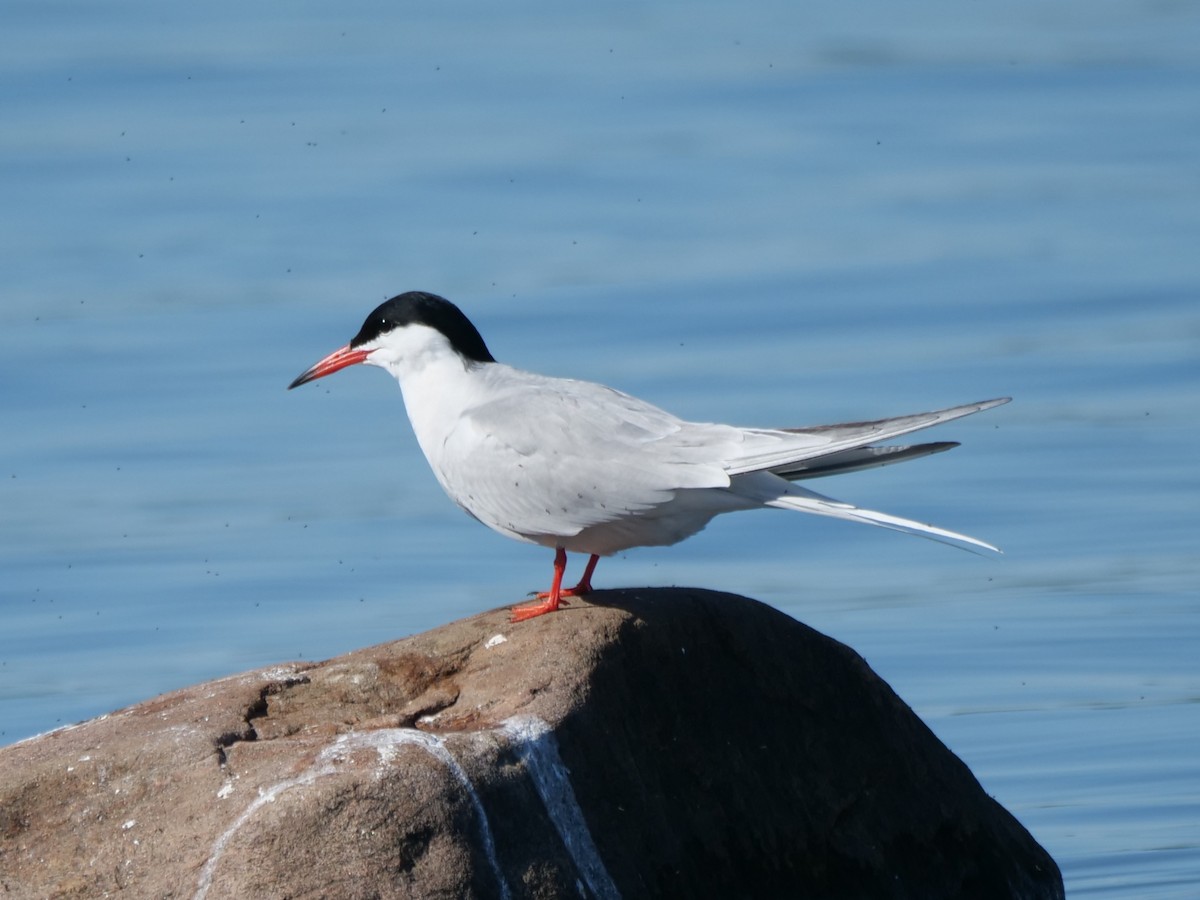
(766, 214)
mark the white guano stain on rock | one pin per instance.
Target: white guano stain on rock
(385, 742)
(531, 740)
(535, 745)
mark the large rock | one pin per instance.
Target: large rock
(653, 743)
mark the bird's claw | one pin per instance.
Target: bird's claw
(580, 590)
(530, 610)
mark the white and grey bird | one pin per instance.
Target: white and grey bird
(580, 467)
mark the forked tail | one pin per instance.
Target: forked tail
(804, 500)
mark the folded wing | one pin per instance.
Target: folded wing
(791, 451)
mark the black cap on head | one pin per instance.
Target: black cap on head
(421, 308)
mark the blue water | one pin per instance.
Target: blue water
(776, 214)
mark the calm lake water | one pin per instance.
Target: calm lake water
(771, 214)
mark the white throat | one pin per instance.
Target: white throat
(437, 382)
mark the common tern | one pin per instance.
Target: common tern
(580, 467)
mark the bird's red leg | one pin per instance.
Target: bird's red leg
(552, 599)
(585, 583)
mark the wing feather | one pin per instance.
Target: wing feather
(859, 458)
(553, 458)
(779, 448)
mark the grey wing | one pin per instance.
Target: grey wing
(826, 449)
(858, 459)
(556, 456)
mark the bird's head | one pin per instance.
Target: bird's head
(402, 329)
